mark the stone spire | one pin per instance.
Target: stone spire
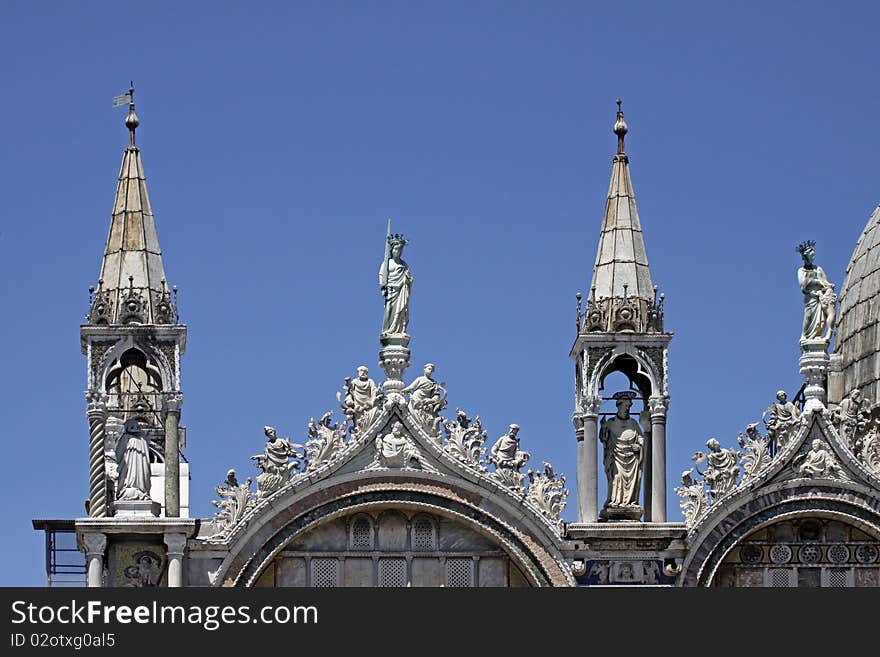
(621, 276)
(132, 288)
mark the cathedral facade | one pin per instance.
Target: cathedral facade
(392, 489)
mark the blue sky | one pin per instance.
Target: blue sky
(278, 137)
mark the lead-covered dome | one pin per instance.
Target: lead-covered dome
(858, 339)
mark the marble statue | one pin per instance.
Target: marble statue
(395, 282)
(133, 457)
(427, 399)
(275, 463)
(623, 451)
(722, 468)
(394, 449)
(819, 297)
(818, 462)
(852, 418)
(781, 420)
(235, 501)
(507, 458)
(360, 400)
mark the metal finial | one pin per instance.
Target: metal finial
(620, 127)
(131, 121)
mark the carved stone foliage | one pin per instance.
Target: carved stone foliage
(235, 501)
(465, 439)
(547, 492)
(326, 441)
(756, 452)
(693, 497)
(870, 452)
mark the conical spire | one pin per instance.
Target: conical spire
(132, 287)
(621, 276)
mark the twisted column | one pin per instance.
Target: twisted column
(96, 413)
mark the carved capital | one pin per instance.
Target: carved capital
(96, 404)
(172, 401)
(175, 543)
(658, 405)
(95, 544)
(590, 407)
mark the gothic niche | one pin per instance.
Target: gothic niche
(134, 385)
(624, 433)
(806, 552)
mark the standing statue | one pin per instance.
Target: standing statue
(361, 399)
(819, 297)
(395, 281)
(722, 468)
(133, 457)
(623, 443)
(852, 418)
(427, 399)
(508, 459)
(781, 420)
(275, 463)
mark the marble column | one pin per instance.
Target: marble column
(176, 543)
(95, 544)
(171, 403)
(97, 417)
(658, 406)
(588, 463)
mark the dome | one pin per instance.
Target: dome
(858, 339)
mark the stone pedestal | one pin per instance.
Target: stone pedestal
(814, 364)
(621, 513)
(137, 508)
(394, 359)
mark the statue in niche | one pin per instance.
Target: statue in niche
(781, 420)
(722, 468)
(623, 451)
(852, 419)
(818, 462)
(133, 457)
(508, 459)
(394, 450)
(275, 463)
(819, 297)
(395, 282)
(361, 399)
(427, 399)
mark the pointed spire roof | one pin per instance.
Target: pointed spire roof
(132, 286)
(621, 263)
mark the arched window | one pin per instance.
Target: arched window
(423, 536)
(361, 533)
(133, 386)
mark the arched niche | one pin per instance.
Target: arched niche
(133, 383)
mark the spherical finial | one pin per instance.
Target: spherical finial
(620, 127)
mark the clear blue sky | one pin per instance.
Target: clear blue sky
(278, 137)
